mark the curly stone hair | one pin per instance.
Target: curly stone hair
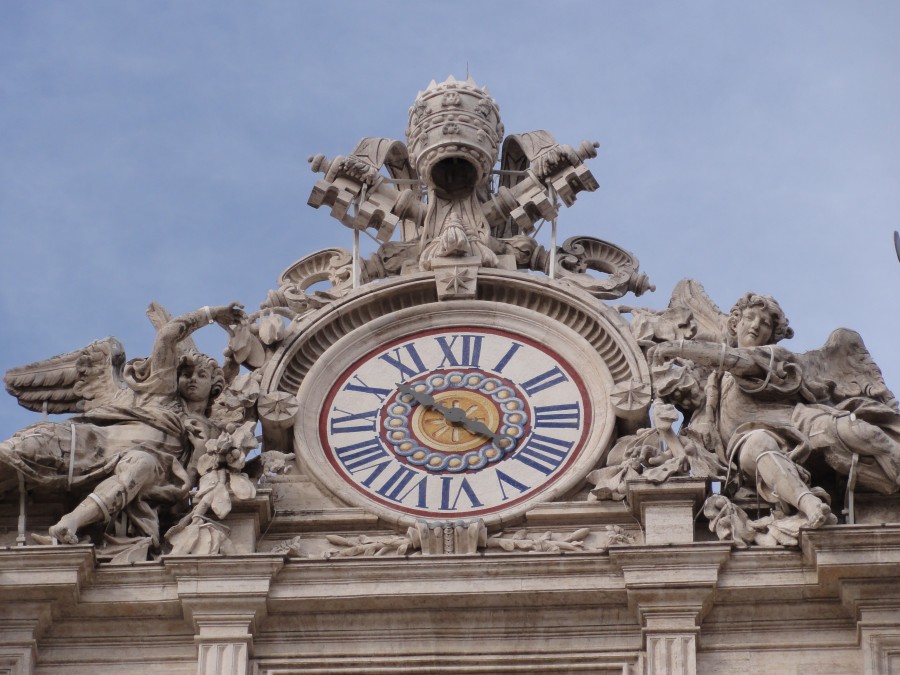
(780, 328)
(192, 359)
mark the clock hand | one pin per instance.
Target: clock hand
(479, 427)
(453, 415)
(420, 397)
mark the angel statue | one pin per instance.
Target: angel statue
(137, 424)
(768, 412)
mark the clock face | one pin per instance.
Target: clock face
(455, 422)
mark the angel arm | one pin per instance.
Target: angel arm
(769, 371)
(157, 374)
(165, 353)
(736, 360)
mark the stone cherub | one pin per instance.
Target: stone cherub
(767, 411)
(137, 427)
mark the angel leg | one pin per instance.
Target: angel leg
(839, 436)
(46, 452)
(109, 497)
(762, 460)
(8, 475)
(867, 439)
(66, 530)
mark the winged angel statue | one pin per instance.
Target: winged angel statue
(759, 415)
(138, 426)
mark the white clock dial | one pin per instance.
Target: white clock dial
(455, 422)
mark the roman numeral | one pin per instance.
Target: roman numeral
(397, 360)
(345, 423)
(359, 385)
(563, 416)
(543, 381)
(422, 489)
(360, 455)
(464, 487)
(395, 484)
(468, 354)
(501, 364)
(509, 480)
(543, 453)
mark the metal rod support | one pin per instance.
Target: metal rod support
(552, 196)
(20, 538)
(508, 172)
(355, 263)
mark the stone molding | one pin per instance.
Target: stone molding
(272, 611)
(600, 325)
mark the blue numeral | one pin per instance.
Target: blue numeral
(544, 453)
(379, 393)
(501, 364)
(470, 352)
(360, 455)
(543, 381)
(562, 416)
(392, 487)
(397, 360)
(344, 424)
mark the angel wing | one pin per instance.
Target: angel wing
(691, 315)
(689, 294)
(72, 382)
(159, 316)
(846, 369)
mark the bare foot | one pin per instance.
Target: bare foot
(64, 533)
(817, 512)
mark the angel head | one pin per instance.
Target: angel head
(757, 320)
(200, 379)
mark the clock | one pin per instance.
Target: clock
(466, 410)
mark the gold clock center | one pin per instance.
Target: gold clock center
(437, 432)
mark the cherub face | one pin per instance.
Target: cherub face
(754, 328)
(195, 383)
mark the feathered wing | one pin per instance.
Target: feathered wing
(159, 316)
(691, 315)
(844, 369)
(72, 382)
(689, 294)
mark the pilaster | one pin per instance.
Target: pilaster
(225, 599)
(21, 626)
(666, 510)
(34, 579)
(861, 563)
(670, 589)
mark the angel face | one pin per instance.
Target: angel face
(754, 327)
(195, 383)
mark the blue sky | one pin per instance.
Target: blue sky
(157, 151)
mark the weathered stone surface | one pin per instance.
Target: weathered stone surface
(459, 471)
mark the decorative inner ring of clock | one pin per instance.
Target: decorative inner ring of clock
(455, 421)
(442, 434)
(475, 410)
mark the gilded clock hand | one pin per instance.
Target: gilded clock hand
(452, 415)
